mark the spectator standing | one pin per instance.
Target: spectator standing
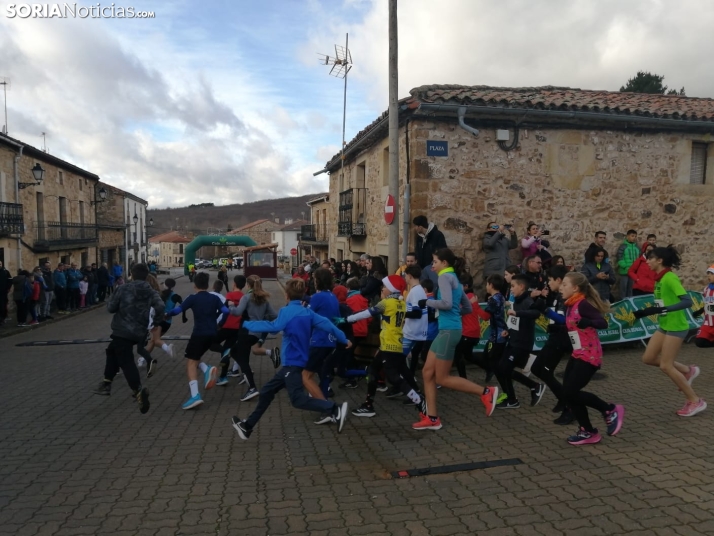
(371, 288)
(599, 242)
(627, 254)
(118, 273)
(497, 242)
(21, 294)
(49, 291)
(409, 260)
(74, 276)
(5, 287)
(102, 282)
(643, 277)
(599, 273)
(429, 240)
(60, 279)
(92, 282)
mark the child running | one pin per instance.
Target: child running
(583, 317)
(671, 299)
(451, 303)
(155, 331)
(496, 308)
(390, 358)
(356, 303)
(206, 309)
(416, 325)
(705, 335)
(297, 323)
(256, 307)
(130, 305)
(471, 330)
(229, 331)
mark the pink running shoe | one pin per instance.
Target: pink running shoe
(692, 374)
(690, 409)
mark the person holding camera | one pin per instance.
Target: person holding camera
(534, 244)
(497, 242)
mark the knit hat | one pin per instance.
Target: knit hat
(710, 270)
(395, 284)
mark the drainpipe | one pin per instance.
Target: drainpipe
(18, 156)
(462, 123)
(407, 196)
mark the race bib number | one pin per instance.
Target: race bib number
(575, 340)
(513, 323)
(660, 303)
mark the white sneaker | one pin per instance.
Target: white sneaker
(170, 350)
(141, 362)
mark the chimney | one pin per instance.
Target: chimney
(277, 220)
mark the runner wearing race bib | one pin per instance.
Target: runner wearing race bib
(705, 336)
(584, 316)
(664, 345)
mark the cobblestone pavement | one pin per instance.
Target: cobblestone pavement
(74, 463)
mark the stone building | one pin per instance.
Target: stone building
(117, 231)
(315, 236)
(168, 249)
(574, 161)
(51, 219)
(259, 230)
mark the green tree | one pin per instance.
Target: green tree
(646, 82)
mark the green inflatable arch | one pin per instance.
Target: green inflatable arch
(212, 240)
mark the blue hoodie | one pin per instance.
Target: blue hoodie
(59, 278)
(324, 303)
(296, 322)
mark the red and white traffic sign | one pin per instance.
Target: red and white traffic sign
(389, 210)
(293, 251)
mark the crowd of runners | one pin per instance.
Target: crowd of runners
(426, 317)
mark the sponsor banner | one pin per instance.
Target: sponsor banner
(622, 326)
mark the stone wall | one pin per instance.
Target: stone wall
(261, 232)
(573, 182)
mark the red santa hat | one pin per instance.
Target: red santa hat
(395, 284)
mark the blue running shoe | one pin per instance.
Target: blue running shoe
(223, 380)
(192, 402)
(210, 377)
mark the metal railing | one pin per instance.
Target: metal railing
(352, 208)
(314, 233)
(11, 219)
(59, 234)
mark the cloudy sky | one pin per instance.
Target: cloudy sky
(225, 101)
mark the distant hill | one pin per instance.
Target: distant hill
(198, 218)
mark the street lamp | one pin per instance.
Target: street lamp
(102, 197)
(38, 173)
(151, 222)
(135, 219)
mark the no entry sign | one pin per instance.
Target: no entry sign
(293, 251)
(389, 210)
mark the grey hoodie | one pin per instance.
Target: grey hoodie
(131, 304)
(254, 311)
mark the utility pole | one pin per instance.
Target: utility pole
(393, 249)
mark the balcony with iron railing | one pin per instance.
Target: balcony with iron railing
(11, 219)
(352, 208)
(314, 233)
(54, 235)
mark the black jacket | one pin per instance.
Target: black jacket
(427, 245)
(536, 281)
(130, 304)
(103, 276)
(527, 313)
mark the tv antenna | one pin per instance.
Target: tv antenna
(341, 65)
(5, 82)
(44, 142)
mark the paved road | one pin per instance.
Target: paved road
(74, 463)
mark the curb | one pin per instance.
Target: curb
(58, 318)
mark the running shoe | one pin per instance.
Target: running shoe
(365, 410)
(324, 418)
(243, 431)
(210, 377)
(243, 379)
(382, 387)
(488, 399)
(614, 419)
(151, 369)
(33, 323)
(275, 357)
(192, 402)
(169, 350)
(690, 409)
(558, 408)
(537, 394)
(250, 393)
(340, 416)
(104, 388)
(142, 397)
(349, 384)
(501, 397)
(583, 437)
(692, 374)
(427, 423)
(235, 373)
(394, 393)
(141, 362)
(222, 381)
(508, 405)
(565, 418)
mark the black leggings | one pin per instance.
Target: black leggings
(465, 352)
(225, 338)
(578, 374)
(241, 353)
(557, 345)
(120, 354)
(512, 358)
(395, 367)
(419, 351)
